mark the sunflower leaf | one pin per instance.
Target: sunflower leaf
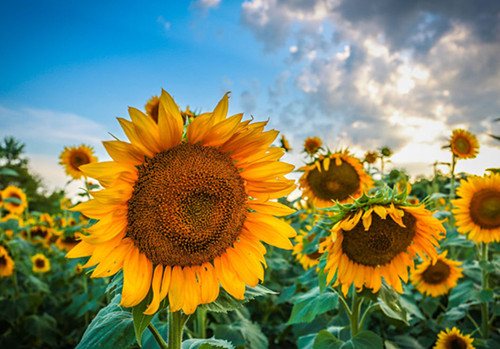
(141, 320)
(8, 172)
(364, 340)
(206, 344)
(313, 303)
(225, 302)
(326, 340)
(390, 304)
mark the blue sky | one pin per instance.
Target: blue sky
(357, 73)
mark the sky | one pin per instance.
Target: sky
(361, 74)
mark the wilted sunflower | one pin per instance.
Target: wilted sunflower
(371, 157)
(453, 339)
(375, 241)
(74, 157)
(464, 144)
(284, 144)
(312, 145)
(436, 278)
(176, 213)
(477, 211)
(41, 264)
(6, 263)
(334, 177)
(13, 192)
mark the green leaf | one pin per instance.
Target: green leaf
(206, 344)
(409, 304)
(8, 172)
(307, 341)
(112, 327)
(242, 332)
(390, 304)
(490, 267)
(286, 294)
(43, 327)
(364, 340)
(461, 293)
(313, 303)
(486, 295)
(141, 320)
(326, 340)
(13, 200)
(225, 302)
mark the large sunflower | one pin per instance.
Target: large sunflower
(436, 278)
(452, 339)
(375, 241)
(74, 157)
(477, 211)
(464, 144)
(185, 210)
(20, 204)
(334, 177)
(6, 263)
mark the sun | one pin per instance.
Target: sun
(464, 144)
(436, 278)
(185, 209)
(334, 177)
(477, 211)
(451, 339)
(74, 157)
(374, 241)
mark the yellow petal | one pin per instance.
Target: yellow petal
(228, 279)
(176, 291)
(155, 286)
(83, 249)
(124, 153)
(266, 170)
(199, 127)
(191, 291)
(222, 131)
(209, 285)
(220, 111)
(170, 122)
(271, 207)
(146, 129)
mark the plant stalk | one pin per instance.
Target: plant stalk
(485, 326)
(157, 336)
(201, 320)
(176, 322)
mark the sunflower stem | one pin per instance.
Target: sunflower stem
(344, 303)
(14, 280)
(176, 322)
(157, 336)
(484, 285)
(365, 314)
(201, 319)
(356, 305)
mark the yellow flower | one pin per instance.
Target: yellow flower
(185, 210)
(41, 264)
(307, 260)
(464, 144)
(74, 157)
(336, 177)
(78, 268)
(436, 278)
(41, 234)
(284, 144)
(451, 339)
(477, 211)
(46, 218)
(65, 204)
(371, 157)
(152, 107)
(6, 263)
(66, 243)
(13, 192)
(381, 241)
(312, 145)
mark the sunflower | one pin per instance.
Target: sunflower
(151, 107)
(284, 144)
(78, 268)
(66, 243)
(452, 339)
(307, 260)
(40, 233)
(41, 264)
(14, 200)
(371, 157)
(373, 241)
(386, 151)
(185, 210)
(334, 177)
(46, 218)
(6, 263)
(438, 277)
(74, 157)
(312, 145)
(187, 115)
(477, 211)
(464, 144)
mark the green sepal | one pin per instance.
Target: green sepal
(141, 320)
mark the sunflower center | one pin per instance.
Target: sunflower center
(188, 205)
(462, 145)
(39, 232)
(3, 261)
(456, 342)
(39, 263)
(381, 243)
(437, 273)
(79, 159)
(338, 183)
(485, 208)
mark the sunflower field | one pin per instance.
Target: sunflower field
(194, 236)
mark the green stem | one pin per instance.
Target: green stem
(356, 304)
(201, 320)
(365, 314)
(157, 336)
(484, 285)
(14, 280)
(452, 184)
(344, 303)
(176, 322)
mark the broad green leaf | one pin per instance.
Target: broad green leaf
(43, 327)
(242, 332)
(8, 172)
(390, 304)
(364, 340)
(408, 342)
(210, 343)
(286, 294)
(225, 302)
(13, 200)
(461, 293)
(141, 320)
(326, 340)
(311, 304)
(408, 303)
(486, 295)
(307, 341)
(112, 327)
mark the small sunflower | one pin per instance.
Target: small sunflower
(184, 208)
(371, 241)
(307, 260)
(66, 243)
(371, 157)
(74, 157)
(477, 211)
(41, 264)
(6, 263)
(334, 177)
(436, 278)
(386, 151)
(187, 115)
(453, 339)
(312, 145)
(151, 107)
(17, 203)
(65, 204)
(40, 233)
(46, 218)
(78, 268)
(464, 144)
(284, 144)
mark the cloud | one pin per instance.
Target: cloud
(165, 24)
(204, 5)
